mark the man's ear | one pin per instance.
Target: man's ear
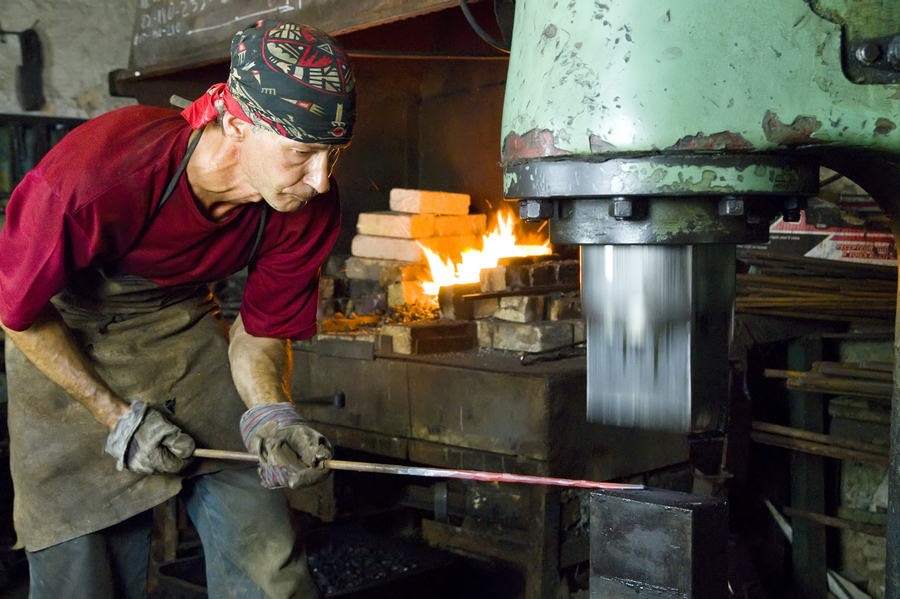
(235, 128)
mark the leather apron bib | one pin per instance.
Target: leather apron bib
(163, 345)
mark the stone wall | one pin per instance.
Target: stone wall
(82, 41)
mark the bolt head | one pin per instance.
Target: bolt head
(791, 216)
(793, 203)
(535, 210)
(731, 207)
(893, 53)
(621, 209)
(868, 52)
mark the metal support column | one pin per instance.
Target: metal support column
(807, 478)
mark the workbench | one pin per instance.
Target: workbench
(476, 410)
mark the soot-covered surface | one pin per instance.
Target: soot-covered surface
(345, 561)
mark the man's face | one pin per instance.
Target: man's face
(287, 173)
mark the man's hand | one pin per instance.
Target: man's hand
(143, 441)
(291, 454)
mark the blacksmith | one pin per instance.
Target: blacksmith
(117, 362)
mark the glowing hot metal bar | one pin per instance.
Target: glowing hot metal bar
(432, 472)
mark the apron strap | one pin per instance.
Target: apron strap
(171, 187)
(259, 233)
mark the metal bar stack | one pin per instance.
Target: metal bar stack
(812, 288)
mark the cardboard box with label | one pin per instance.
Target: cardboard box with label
(851, 229)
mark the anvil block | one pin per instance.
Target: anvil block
(664, 544)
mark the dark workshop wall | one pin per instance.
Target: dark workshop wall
(459, 139)
(423, 124)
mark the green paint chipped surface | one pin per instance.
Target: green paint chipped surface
(620, 79)
(509, 179)
(703, 179)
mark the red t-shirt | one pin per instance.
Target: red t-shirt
(91, 197)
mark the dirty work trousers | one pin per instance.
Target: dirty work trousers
(248, 539)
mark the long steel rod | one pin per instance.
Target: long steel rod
(221, 454)
(432, 472)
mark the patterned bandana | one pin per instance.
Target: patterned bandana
(293, 80)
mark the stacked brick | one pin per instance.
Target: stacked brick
(436, 220)
(387, 258)
(340, 296)
(526, 304)
(388, 245)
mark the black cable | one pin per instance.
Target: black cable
(422, 55)
(481, 32)
(830, 179)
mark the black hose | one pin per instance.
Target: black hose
(481, 32)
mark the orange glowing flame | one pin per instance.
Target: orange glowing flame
(500, 242)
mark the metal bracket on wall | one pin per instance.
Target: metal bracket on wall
(4, 33)
(29, 76)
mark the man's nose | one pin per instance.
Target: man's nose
(319, 170)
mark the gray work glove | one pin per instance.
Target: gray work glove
(145, 442)
(291, 454)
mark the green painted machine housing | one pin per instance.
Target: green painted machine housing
(635, 81)
(607, 78)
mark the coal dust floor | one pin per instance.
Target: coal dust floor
(456, 580)
(342, 568)
(459, 581)
(13, 575)
(347, 563)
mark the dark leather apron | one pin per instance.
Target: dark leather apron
(163, 345)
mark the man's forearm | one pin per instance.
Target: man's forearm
(260, 366)
(49, 345)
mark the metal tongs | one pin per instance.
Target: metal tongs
(572, 350)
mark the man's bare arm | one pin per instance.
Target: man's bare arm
(50, 346)
(260, 366)
(291, 454)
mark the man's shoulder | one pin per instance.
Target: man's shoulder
(136, 112)
(115, 146)
(128, 122)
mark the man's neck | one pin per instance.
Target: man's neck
(214, 175)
